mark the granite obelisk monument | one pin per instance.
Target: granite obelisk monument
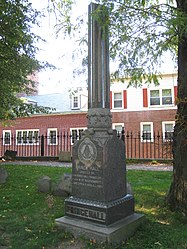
(99, 207)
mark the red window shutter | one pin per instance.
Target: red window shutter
(175, 94)
(125, 98)
(145, 98)
(110, 99)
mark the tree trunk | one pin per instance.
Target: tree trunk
(177, 197)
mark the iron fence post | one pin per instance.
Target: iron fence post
(42, 145)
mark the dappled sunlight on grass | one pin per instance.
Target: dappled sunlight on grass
(27, 218)
(163, 222)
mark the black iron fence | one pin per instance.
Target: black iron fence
(142, 147)
(138, 146)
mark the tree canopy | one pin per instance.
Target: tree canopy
(17, 57)
(141, 33)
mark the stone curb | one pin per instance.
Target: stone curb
(159, 167)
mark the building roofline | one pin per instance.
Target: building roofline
(175, 73)
(59, 113)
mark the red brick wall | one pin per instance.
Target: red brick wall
(62, 122)
(43, 122)
(132, 120)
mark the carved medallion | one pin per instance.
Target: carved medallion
(87, 152)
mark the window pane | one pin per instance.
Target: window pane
(74, 136)
(146, 135)
(155, 101)
(168, 131)
(36, 136)
(168, 127)
(27, 137)
(117, 103)
(30, 137)
(7, 138)
(146, 127)
(75, 102)
(166, 97)
(166, 100)
(24, 137)
(19, 134)
(154, 97)
(166, 92)
(168, 135)
(117, 96)
(154, 93)
(118, 100)
(52, 137)
(80, 133)
(118, 128)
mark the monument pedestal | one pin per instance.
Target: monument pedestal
(115, 233)
(99, 207)
(98, 212)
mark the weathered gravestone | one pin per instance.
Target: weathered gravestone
(44, 184)
(64, 186)
(10, 155)
(3, 175)
(99, 207)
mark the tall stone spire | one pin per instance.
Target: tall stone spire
(98, 68)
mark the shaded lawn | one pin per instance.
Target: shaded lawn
(28, 221)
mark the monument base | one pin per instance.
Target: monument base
(98, 212)
(113, 234)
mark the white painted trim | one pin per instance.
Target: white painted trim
(141, 131)
(6, 131)
(27, 130)
(122, 99)
(163, 127)
(160, 95)
(49, 138)
(77, 129)
(78, 101)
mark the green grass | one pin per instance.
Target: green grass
(27, 221)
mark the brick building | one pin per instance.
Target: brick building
(144, 112)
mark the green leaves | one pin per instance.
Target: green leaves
(17, 55)
(141, 32)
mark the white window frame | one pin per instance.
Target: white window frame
(49, 141)
(4, 138)
(160, 97)
(117, 124)
(27, 137)
(164, 128)
(78, 129)
(141, 131)
(73, 101)
(113, 100)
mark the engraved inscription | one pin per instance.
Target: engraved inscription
(87, 152)
(87, 180)
(86, 212)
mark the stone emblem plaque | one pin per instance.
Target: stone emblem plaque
(87, 152)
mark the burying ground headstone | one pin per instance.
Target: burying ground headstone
(44, 184)
(64, 186)
(65, 156)
(3, 175)
(10, 155)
